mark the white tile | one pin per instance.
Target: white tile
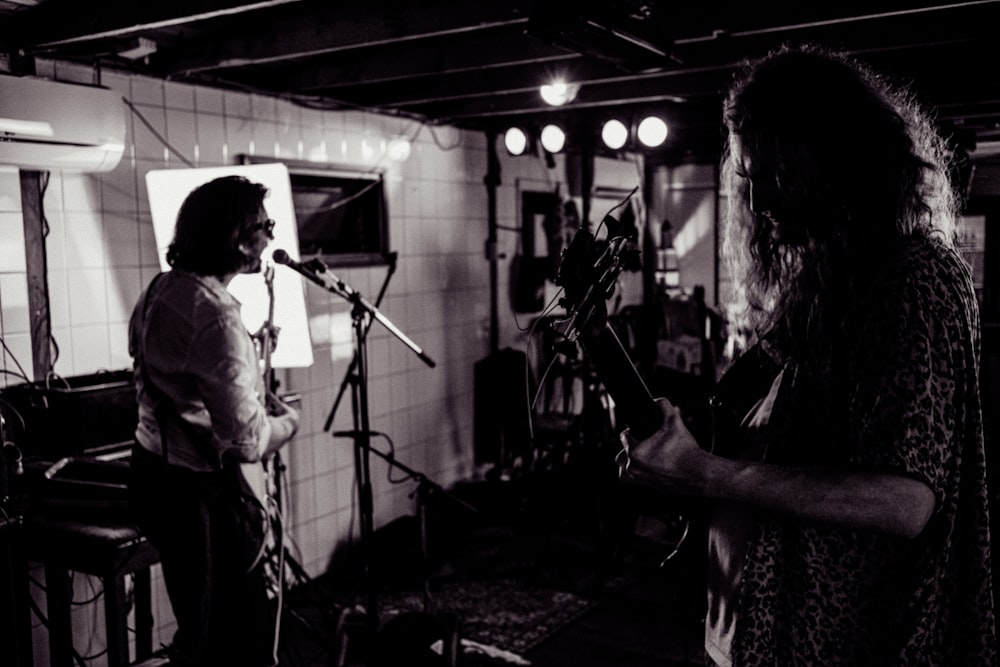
(121, 83)
(81, 192)
(118, 345)
(209, 100)
(11, 242)
(121, 237)
(52, 198)
(179, 95)
(182, 135)
(118, 188)
(148, 253)
(62, 339)
(55, 241)
(147, 91)
(211, 140)
(288, 143)
(17, 359)
(237, 105)
(263, 107)
(90, 349)
(239, 137)
(85, 240)
(124, 286)
(10, 189)
(15, 313)
(265, 138)
(149, 133)
(88, 300)
(58, 284)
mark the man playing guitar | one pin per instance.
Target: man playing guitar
(206, 422)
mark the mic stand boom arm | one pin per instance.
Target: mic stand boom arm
(316, 271)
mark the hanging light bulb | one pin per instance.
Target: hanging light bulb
(553, 138)
(614, 134)
(652, 131)
(559, 92)
(515, 140)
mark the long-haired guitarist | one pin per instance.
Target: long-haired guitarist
(851, 523)
(205, 423)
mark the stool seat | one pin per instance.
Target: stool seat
(96, 547)
(103, 547)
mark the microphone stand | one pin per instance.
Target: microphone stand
(392, 257)
(362, 314)
(425, 488)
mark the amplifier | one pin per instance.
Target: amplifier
(80, 485)
(72, 416)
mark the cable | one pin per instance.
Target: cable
(24, 373)
(159, 136)
(280, 546)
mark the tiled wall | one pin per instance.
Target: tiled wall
(101, 252)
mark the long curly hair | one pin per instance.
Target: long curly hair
(861, 166)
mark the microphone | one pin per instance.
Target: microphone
(282, 257)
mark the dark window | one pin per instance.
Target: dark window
(340, 214)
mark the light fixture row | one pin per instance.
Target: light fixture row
(650, 132)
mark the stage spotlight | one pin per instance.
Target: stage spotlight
(516, 141)
(652, 131)
(614, 134)
(553, 138)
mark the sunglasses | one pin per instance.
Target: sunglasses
(267, 226)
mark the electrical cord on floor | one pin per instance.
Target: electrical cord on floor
(280, 546)
(79, 659)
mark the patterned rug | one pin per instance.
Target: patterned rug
(506, 614)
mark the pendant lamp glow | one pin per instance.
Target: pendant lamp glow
(652, 131)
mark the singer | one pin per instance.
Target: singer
(206, 422)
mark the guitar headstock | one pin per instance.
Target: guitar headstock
(588, 271)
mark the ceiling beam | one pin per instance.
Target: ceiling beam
(329, 31)
(469, 52)
(55, 23)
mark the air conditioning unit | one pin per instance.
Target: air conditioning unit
(54, 126)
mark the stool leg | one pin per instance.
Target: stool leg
(60, 624)
(143, 615)
(116, 620)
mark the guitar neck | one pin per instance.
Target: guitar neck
(635, 405)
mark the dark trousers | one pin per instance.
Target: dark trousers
(224, 616)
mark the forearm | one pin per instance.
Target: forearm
(860, 500)
(282, 429)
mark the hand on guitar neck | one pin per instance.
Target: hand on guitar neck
(588, 273)
(668, 458)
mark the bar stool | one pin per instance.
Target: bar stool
(106, 549)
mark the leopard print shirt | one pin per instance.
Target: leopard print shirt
(813, 595)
